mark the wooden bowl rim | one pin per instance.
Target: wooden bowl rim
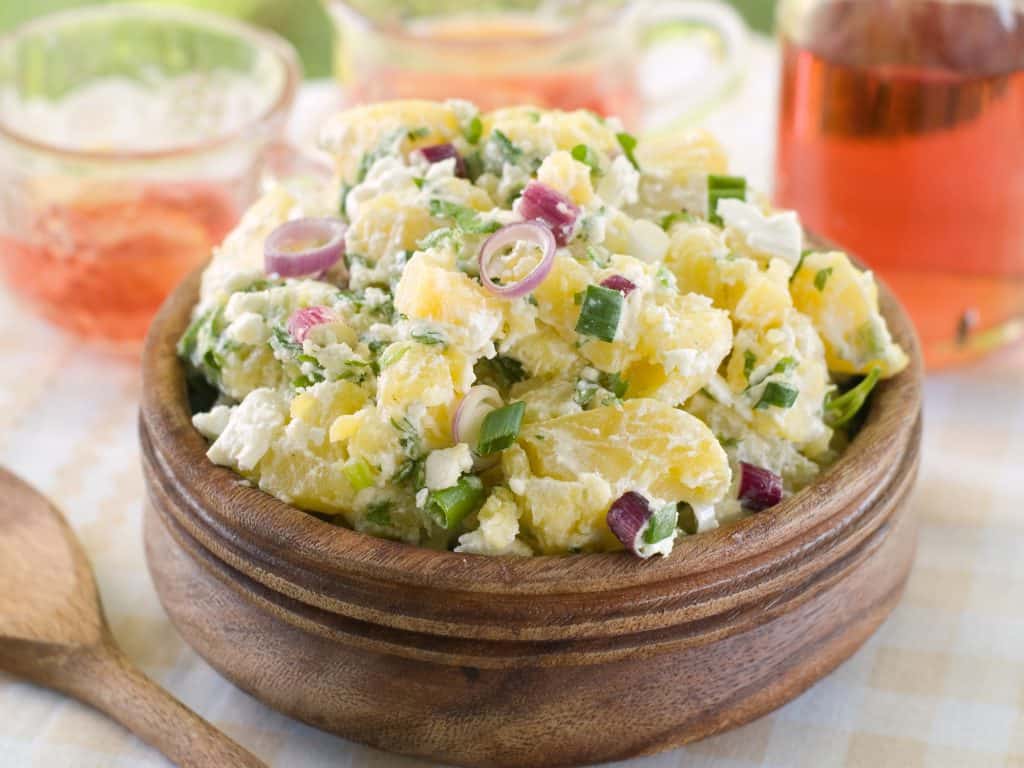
(268, 530)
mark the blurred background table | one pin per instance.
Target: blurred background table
(941, 684)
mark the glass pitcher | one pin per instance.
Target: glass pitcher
(901, 138)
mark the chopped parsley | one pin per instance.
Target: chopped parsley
(509, 152)
(840, 410)
(584, 154)
(777, 395)
(474, 130)
(628, 144)
(749, 361)
(379, 512)
(465, 218)
(428, 336)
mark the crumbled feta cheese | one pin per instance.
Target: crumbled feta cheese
(776, 235)
(444, 467)
(212, 423)
(250, 430)
(620, 184)
(248, 328)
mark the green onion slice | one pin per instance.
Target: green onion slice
(500, 428)
(840, 410)
(449, 506)
(600, 313)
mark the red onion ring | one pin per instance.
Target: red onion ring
(304, 247)
(304, 320)
(528, 231)
(760, 488)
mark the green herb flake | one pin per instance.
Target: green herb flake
(628, 143)
(465, 218)
(803, 255)
(666, 221)
(393, 354)
(419, 182)
(661, 525)
(416, 134)
(584, 154)
(600, 313)
(720, 188)
(428, 336)
(474, 165)
(449, 506)
(379, 512)
(749, 361)
(615, 384)
(785, 365)
(474, 130)
(510, 153)
(500, 428)
(777, 395)
(840, 410)
(821, 278)
(505, 371)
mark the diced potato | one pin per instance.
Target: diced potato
(568, 176)
(541, 132)
(386, 225)
(429, 292)
(642, 445)
(842, 302)
(351, 134)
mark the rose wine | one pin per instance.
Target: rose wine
(598, 82)
(901, 138)
(100, 265)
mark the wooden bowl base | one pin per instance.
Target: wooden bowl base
(288, 655)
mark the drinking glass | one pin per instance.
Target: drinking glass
(130, 139)
(901, 137)
(607, 56)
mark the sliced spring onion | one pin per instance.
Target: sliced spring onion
(304, 320)
(821, 278)
(500, 428)
(474, 130)
(449, 506)
(359, 473)
(523, 231)
(441, 152)
(540, 202)
(304, 247)
(778, 395)
(760, 488)
(840, 410)
(720, 187)
(662, 524)
(623, 285)
(600, 313)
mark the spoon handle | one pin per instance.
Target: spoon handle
(106, 679)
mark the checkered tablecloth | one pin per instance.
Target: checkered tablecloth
(941, 684)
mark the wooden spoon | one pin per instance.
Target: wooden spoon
(53, 632)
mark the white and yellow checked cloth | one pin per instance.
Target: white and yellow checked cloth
(941, 684)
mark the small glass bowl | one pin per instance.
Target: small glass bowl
(131, 138)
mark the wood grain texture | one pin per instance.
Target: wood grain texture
(495, 661)
(52, 632)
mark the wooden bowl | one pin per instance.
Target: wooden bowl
(499, 661)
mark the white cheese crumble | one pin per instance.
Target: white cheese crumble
(776, 235)
(211, 424)
(444, 467)
(250, 430)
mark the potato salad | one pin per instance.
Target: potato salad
(528, 332)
